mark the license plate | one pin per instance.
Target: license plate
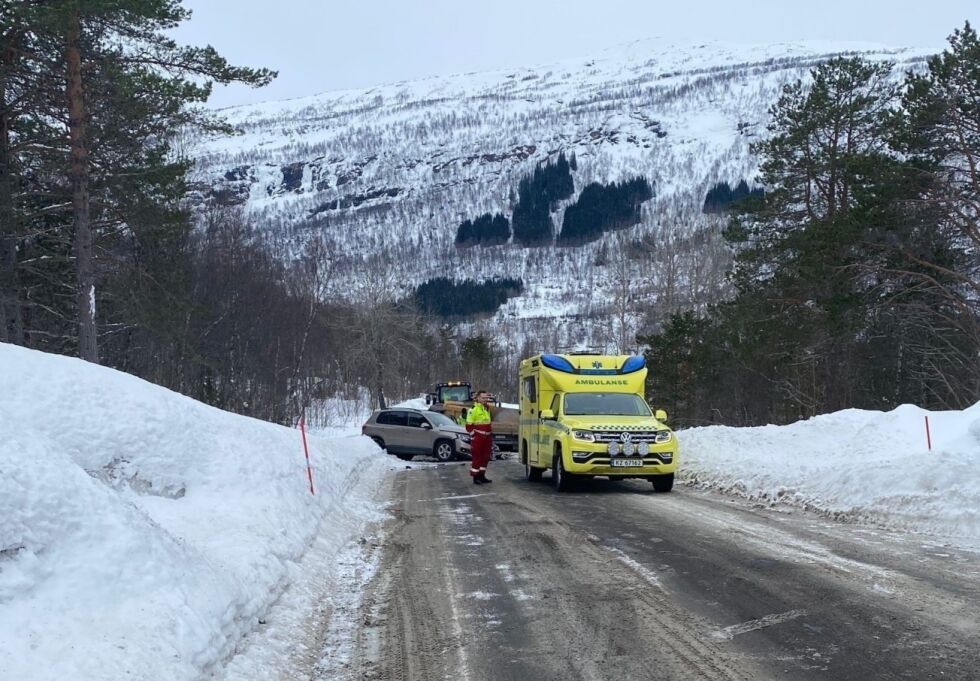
(616, 463)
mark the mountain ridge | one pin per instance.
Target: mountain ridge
(385, 175)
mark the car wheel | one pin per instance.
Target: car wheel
(559, 477)
(378, 441)
(531, 473)
(444, 451)
(662, 483)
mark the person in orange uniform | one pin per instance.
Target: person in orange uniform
(481, 434)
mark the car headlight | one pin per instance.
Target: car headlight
(462, 437)
(663, 436)
(583, 435)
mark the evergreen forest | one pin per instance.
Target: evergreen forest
(720, 198)
(603, 208)
(449, 299)
(856, 277)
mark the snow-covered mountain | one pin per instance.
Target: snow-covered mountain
(386, 175)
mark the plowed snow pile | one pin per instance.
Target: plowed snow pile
(865, 465)
(143, 534)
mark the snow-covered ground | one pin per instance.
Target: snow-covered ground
(147, 536)
(855, 465)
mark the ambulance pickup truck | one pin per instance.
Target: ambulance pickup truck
(583, 415)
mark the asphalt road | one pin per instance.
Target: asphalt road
(612, 581)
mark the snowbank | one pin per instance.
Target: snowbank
(865, 465)
(144, 534)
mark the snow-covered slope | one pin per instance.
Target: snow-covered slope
(853, 465)
(143, 534)
(385, 175)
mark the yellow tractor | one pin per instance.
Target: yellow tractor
(454, 398)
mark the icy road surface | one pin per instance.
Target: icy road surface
(611, 581)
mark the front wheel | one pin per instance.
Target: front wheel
(444, 451)
(662, 483)
(559, 477)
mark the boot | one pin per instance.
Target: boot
(477, 480)
(483, 477)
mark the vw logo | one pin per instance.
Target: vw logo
(597, 364)
(626, 438)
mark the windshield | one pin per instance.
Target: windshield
(459, 393)
(440, 420)
(605, 404)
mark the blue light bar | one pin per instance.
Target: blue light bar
(558, 363)
(634, 363)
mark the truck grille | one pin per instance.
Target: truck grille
(636, 436)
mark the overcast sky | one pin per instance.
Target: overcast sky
(321, 45)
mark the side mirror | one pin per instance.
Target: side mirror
(428, 399)
(660, 415)
(426, 425)
(547, 414)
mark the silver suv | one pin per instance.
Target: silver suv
(407, 432)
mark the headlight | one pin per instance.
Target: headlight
(663, 436)
(584, 435)
(614, 448)
(643, 449)
(462, 437)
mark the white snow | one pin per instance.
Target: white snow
(148, 536)
(854, 465)
(144, 535)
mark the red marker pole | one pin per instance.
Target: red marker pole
(306, 451)
(928, 435)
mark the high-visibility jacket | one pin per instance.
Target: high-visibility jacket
(478, 420)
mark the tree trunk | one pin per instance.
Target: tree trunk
(88, 348)
(11, 322)
(379, 387)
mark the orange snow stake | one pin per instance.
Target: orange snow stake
(928, 435)
(306, 451)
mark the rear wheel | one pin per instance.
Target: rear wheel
(378, 441)
(559, 477)
(530, 472)
(662, 483)
(444, 451)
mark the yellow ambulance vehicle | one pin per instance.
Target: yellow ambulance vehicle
(583, 415)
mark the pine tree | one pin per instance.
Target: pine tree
(939, 129)
(122, 89)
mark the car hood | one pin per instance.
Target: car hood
(452, 429)
(615, 423)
